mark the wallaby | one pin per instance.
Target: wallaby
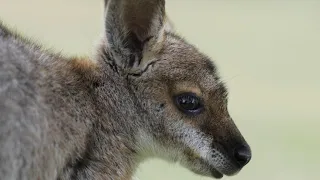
(146, 93)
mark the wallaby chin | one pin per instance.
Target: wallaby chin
(147, 92)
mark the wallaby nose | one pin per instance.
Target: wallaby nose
(242, 154)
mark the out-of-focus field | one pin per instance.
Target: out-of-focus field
(268, 52)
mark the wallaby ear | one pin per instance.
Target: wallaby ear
(130, 25)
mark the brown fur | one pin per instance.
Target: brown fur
(83, 64)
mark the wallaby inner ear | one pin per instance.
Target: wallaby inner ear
(130, 24)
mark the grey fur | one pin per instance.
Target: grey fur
(75, 118)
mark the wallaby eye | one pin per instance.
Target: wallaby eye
(188, 103)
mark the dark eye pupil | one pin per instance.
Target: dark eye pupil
(189, 102)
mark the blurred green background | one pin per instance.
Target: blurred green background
(267, 51)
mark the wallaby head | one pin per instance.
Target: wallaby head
(177, 88)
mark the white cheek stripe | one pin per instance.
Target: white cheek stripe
(200, 144)
(191, 137)
(195, 140)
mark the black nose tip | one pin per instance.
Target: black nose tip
(242, 154)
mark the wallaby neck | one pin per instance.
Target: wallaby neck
(98, 123)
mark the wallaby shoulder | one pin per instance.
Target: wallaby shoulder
(22, 112)
(41, 94)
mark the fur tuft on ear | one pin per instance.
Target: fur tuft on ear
(130, 25)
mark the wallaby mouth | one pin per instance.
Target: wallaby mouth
(213, 172)
(216, 174)
(216, 164)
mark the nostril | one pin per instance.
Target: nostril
(242, 154)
